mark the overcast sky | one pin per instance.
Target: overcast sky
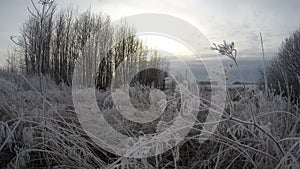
(235, 20)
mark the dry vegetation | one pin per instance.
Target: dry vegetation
(33, 134)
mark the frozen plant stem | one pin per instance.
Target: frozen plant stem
(230, 51)
(262, 130)
(264, 61)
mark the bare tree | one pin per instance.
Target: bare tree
(12, 61)
(36, 37)
(283, 71)
(52, 43)
(42, 15)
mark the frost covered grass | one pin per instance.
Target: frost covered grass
(258, 130)
(33, 138)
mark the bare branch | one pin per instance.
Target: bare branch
(36, 9)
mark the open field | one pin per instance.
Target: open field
(34, 133)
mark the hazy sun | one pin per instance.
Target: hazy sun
(166, 44)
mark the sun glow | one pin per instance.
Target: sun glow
(166, 44)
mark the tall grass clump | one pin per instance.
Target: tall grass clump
(30, 138)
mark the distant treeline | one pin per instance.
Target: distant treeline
(214, 83)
